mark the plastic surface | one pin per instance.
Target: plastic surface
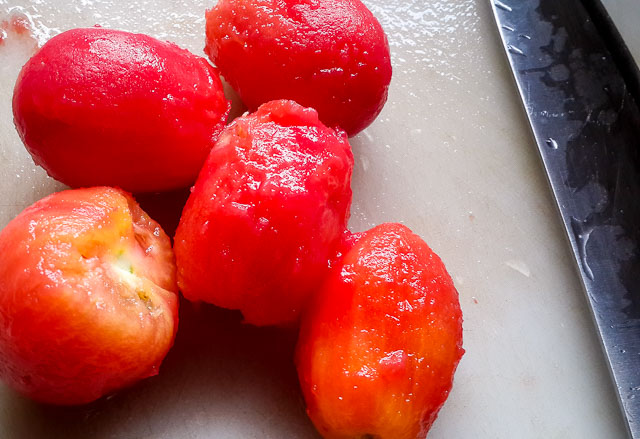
(451, 156)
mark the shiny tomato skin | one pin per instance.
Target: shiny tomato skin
(88, 296)
(380, 342)
(105, 107)
(266, 213)
(331, 55)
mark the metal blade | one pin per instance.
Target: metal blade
(581, 97)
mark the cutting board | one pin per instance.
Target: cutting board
(451, 157)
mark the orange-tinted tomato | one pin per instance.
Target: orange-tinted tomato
(380, 342)
(88, 296)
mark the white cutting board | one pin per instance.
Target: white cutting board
(451, 157)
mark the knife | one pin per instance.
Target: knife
(581, 92)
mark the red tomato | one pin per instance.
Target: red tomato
(266, 213)
(380, 342)
(104, 107)
(331, 55)
(88, 296)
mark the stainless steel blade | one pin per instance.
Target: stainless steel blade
(581, 99)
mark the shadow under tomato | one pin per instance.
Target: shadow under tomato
(164, 207)
(221, 379)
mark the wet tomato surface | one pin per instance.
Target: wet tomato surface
(88, 296)
(380, 342)
(331, 55)
(266, 214)
(104, 107)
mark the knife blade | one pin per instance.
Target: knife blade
(580, 90)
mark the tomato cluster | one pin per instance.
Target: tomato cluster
(89, 282)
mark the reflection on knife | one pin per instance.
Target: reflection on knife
(581, 92)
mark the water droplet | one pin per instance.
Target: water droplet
(509, 28)
(582, 235)
(502, 6)
(526, 37)
(516, 51)
(552, 143)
